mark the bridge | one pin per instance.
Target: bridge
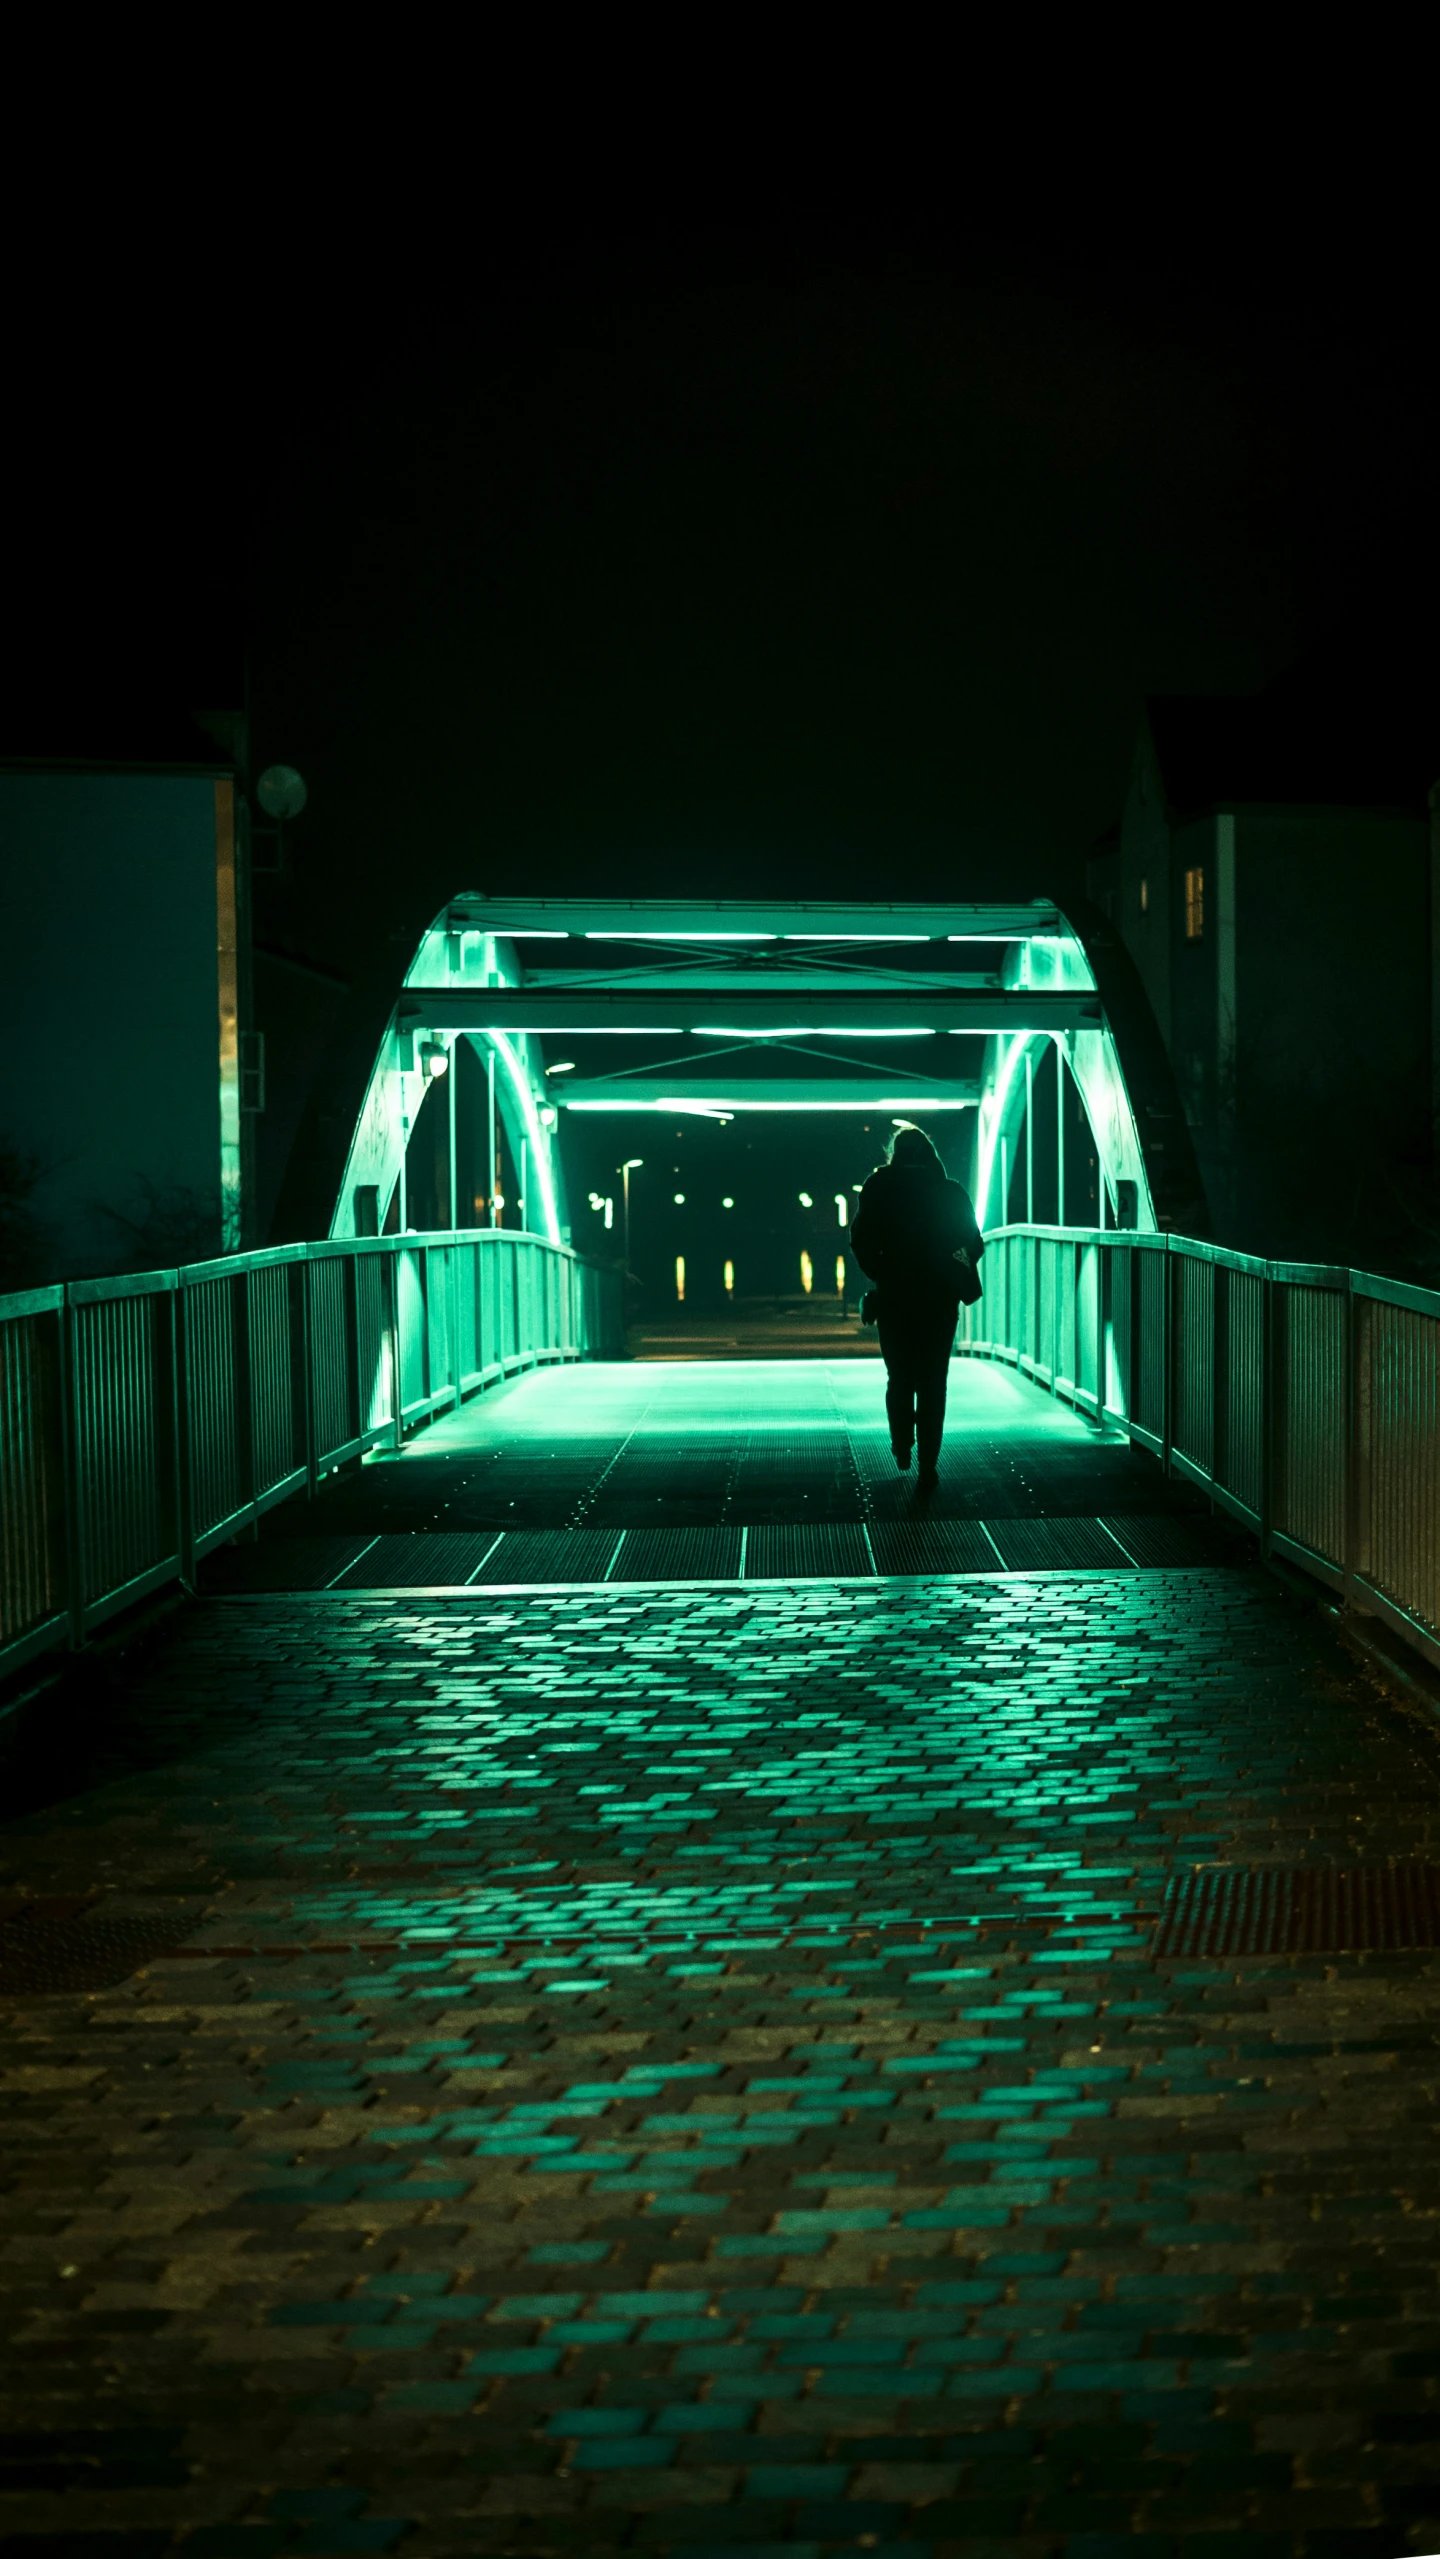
(928, 2007)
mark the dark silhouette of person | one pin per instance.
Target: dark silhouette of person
(914, 1234)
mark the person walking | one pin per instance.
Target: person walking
(914, 1234)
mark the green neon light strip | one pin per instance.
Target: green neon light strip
(814, 1031)
(699, 936)
(707, 1110)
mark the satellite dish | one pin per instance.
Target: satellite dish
(281, 792)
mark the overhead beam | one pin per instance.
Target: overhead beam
(763, 1093)
(649, 1013)
(763, 977)
(703, 918)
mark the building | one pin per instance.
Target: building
(1273, 875)
(128, 1076)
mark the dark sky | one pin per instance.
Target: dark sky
(801, 555)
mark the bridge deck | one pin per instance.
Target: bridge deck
(718, 1469)
(705, 2069)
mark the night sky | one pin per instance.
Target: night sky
(764, 557)
(805, 556)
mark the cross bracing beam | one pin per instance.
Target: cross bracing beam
(764, 1093)
(853, 976)
(715, 919)
(647, 1011)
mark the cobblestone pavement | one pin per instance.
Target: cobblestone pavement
(681, 2069)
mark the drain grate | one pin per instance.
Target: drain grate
(61, 1944)
(1300, 1910)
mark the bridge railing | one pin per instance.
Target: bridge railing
(1304, 1398)
(144, 1420)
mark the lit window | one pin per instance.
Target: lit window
(1195, 904)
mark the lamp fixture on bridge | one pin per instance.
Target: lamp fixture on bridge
(434, 1059)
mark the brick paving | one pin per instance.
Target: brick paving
(681, 2069)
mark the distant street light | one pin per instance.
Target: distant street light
(631, 1165)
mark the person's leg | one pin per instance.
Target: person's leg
(932, 1376)
(897, 1352)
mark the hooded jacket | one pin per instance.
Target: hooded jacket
(911, 1223)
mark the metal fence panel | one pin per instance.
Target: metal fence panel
(1150, 1383)
(1399, 1426)
(122, 1392)
(1088, 1371)
(141, 1419)
(1120, 1271)
(332, 1369)
(1193, 1415)
(277, 1422)
(1240, 1388)
(1311, 1432)
(33, 1582)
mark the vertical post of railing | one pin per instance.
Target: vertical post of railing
(1219, 1368)
(1029, 1137)
(170, 1456)
(180, 1331)
(77, 1543)
(392, 1314)
(302, 1375)
(451, 1081)
(457, 1366)
(245, 1467)
(1171, 1270)
(350, 1299)
(1269, 1403)
(1356, 1419)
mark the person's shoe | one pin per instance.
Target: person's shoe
(902, 1458)
(929, 1477)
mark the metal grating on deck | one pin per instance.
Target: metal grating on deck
(417, 1562)
(816, 1549)
(551, 1555)
(48, 1946)
(933, 1546)
(1156, 1540)
(679, 1555)
(280, 1564)
(1057, 1545)
(1300, 1910)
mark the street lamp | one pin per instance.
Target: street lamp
(631, 1165)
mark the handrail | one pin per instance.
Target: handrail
(1303, 1397)
(149, 1417)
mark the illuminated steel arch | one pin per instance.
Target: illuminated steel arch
(451, 960)
(773, 971)
(1088, 1054)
